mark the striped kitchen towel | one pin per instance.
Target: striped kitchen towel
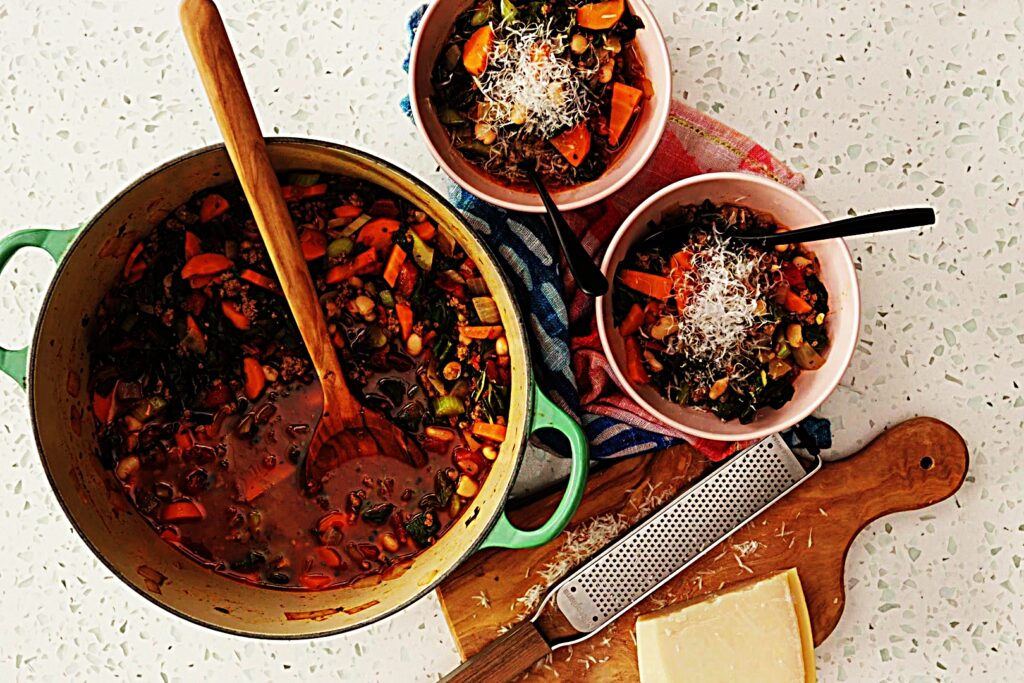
(568, 361)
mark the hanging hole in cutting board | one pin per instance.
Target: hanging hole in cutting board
(927, 463)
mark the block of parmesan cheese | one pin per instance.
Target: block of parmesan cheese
(757, 631)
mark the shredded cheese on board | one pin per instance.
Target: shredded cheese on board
(586, 540)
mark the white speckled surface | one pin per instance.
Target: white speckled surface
(878, 103)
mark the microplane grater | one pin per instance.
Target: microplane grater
(678, 534)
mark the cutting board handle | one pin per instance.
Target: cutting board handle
(912, 465)
(503, 659)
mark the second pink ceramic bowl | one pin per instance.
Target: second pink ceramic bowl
(837, 274)
(431, 36)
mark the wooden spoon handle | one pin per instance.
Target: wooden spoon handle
(225, 88)
(503, 659)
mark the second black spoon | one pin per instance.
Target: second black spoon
(879, 221)
(588, 276)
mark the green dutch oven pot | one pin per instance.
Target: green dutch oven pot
(56, 373)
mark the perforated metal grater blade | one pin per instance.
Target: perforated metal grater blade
(678, 534)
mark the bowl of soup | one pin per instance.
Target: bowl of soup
(720, 338)
(580, 92)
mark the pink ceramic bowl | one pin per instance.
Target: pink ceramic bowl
(430, 39)
(837, 274)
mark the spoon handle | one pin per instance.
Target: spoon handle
(880, 221)
(225, 88)
(588, 276)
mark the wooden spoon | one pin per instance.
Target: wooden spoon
(346, 429)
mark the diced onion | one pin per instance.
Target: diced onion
(487, 310)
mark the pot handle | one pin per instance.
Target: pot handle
(55, 243)
(547, 414)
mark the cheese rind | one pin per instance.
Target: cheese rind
(757, 631)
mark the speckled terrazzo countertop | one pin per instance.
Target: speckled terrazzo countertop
(878, 103)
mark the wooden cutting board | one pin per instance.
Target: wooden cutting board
(912, 465)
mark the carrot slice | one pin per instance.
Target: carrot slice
(624, 101)
(329, 556)
(205, 264)
(377, 233)
(632, 322)
(794, 275)
(170, 536)
(200, 281)
(184, 439)
(314, 582)
(314, 190)
(346, 211)
(254, 378)
(682, 260)
(795, 303)
(193, 247)
(361, 262)
(102, 406)
(293, 193)
(213, 205)
(181, 511)
(477, 50)
(635, 371)
(598, 16)
(489, 431)
(395, 261)
(132, 272)
(260, 280)
(404, 313)
(233, 313)
(573, 144)
(425, 230)
(655, 286)
(481, 331)
(314, 244)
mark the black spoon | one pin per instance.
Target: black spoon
(588, 276)
(880, 221)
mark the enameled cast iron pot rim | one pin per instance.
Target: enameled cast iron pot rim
(531, 400)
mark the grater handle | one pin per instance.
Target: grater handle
(503, 659)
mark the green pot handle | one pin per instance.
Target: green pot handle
(53, 242)
(547, 414)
